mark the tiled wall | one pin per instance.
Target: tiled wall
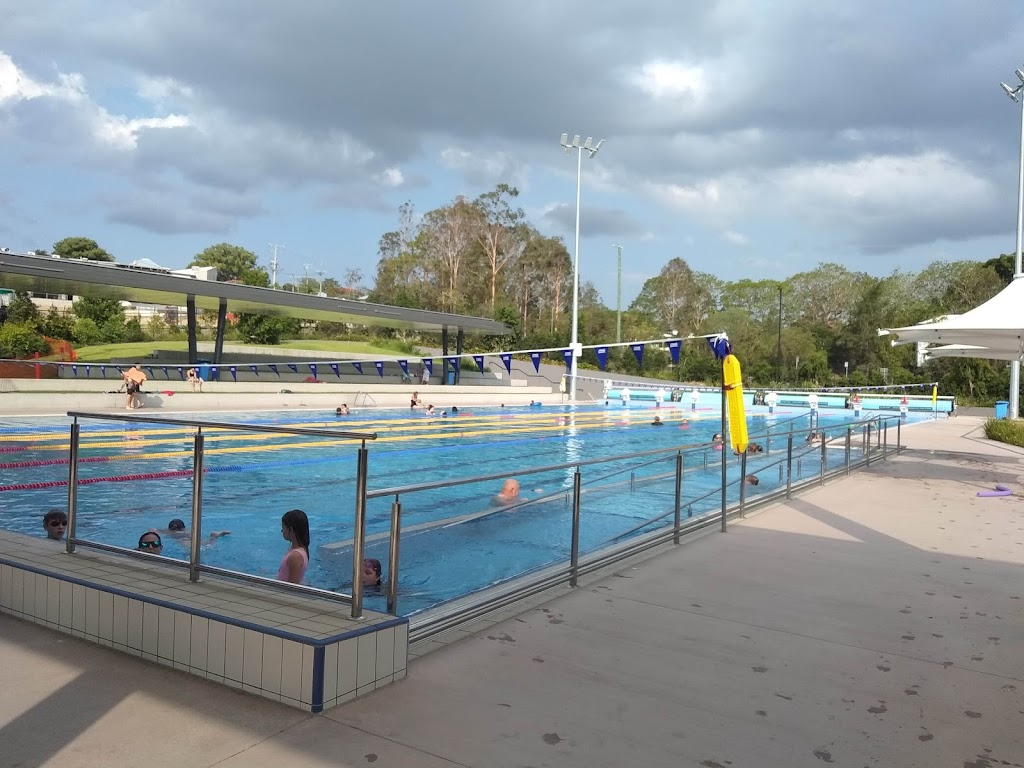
(311, 675)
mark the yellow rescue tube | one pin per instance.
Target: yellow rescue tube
(733, 378)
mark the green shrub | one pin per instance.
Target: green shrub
(21, 340)
(1005, 431)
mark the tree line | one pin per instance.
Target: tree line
(482, 257)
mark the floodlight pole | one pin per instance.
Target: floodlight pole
(574, 343)
(618, 301)
(1017, 94)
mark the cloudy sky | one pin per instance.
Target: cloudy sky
(754, 138)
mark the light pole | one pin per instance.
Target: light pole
(846, 365)
(618, 299)
(778, 351)
(574, 344)
(1017, 94)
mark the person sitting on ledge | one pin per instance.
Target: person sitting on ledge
(55, 523)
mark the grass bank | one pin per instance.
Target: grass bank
(104, 353)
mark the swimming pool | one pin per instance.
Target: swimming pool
(138, 477)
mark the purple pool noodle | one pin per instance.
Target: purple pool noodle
(1001, 490)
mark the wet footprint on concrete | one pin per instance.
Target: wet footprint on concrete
(878, 709)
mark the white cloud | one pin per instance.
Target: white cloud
(485, 168)
(665, 80)
(736, 238)
(391, 177)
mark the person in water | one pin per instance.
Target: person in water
(509, 493)
(657, 422)
(342, 411)
(294, 530)
(371, 572)
(751, 480)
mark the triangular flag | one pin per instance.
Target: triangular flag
(273, 368)
(357, 366)
(673, 350)
(336, 369)
(312, 369)
(479, 360)
(404, 365)
(507, 360)
(255, 369)
(214, 373)
(720, 346)
(74, 369)
(638, 353)
(535, 357)
(567, 356)
(429, 365)
(380, 368)
(234, 372)
(293, 367)
(602, 357)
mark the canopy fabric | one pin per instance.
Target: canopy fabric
(967, 350)
(998, 324)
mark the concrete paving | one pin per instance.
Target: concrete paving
(877, 621)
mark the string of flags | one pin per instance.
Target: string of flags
(448, 362)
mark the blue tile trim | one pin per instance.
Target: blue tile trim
(303, 639)
(319, 656)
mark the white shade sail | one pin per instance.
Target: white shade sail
(997, 325)
(967, 350)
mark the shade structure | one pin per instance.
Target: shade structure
(997, 325)
(968, 350)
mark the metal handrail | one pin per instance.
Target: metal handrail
(223, 425)
(193, 563)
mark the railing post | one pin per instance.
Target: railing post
(197, 505)
(705, 458)
(768, 440)
(358, 533)
(574, 553)
(789, 467)
(396, 532)
(867, 445)
(899, 437)
(849, 436)
(72, 487)
(743, 482)
(679, 496)
(824, 458)
(885, 441)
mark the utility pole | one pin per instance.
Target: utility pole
(618, 300)
(273, 265)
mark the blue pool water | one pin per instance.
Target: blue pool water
(252, 479)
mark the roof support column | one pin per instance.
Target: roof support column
(460, 337)
(190, 314)
(444, 354)
(222, 321)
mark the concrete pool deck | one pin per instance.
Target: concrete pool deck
(875, 621)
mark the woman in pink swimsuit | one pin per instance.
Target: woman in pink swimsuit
(295, 530)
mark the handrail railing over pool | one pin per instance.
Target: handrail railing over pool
(194, 564)
(611, 551)
(558, 573)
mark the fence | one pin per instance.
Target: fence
(687, 488)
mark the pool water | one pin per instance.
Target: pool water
(137, 477)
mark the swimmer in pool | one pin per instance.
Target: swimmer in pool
(509, 493)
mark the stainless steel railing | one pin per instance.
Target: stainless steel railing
(195, 565)
(578, 564)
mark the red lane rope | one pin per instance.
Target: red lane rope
(51, 462)
(91, 480)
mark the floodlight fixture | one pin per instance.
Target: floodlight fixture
(565, 139)
(576, 141)
(1011, 92)
(1020, 75)
(593, 150)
